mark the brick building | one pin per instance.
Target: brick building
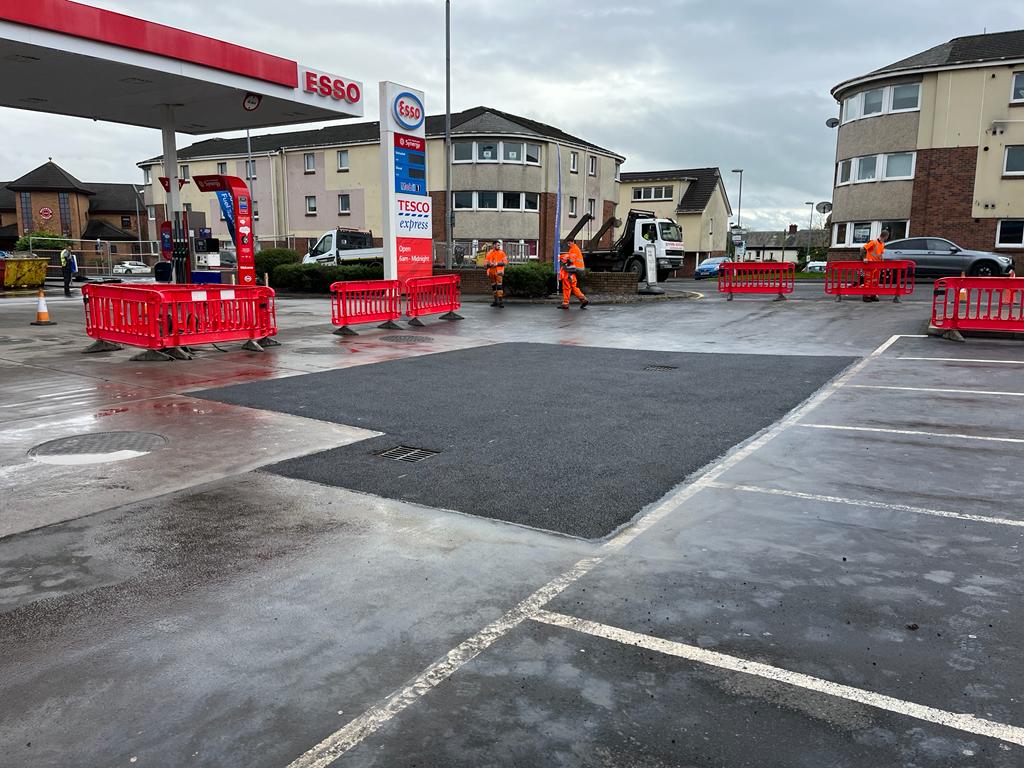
(934, 145)
(52, 200)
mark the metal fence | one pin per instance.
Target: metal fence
(470, 253)
(98, 258)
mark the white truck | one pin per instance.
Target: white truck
(628, 253)
(341, 246)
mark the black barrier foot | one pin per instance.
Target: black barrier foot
(345, 331)
(151, 356)
(780, 297)
(391, 325)
(730, 297)
(252, 346)
(269, 341)
(178, 353)
(101, 346)
(455, 316)
(953, 335)
(414, 322)
(895, 299)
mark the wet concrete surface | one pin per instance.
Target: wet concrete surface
(238, 618)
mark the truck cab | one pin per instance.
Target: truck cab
(343, 245)
(629, 252)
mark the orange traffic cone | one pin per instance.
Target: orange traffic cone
(42, 313)
(963, 291)
(1008, 293)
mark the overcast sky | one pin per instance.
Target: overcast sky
(667, 83)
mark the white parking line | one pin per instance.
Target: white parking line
(353, 733)
(871, 504)
(964, 360)
(955, 435)
(968, 723)
(939, 390)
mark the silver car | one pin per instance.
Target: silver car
(938, 257)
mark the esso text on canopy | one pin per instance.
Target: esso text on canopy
(413, 206)
(408, 110)
(331, 87)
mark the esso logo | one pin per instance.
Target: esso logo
(408, 111)
(332, 88)
(414, 206)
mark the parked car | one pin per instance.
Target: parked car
(938, 257)
(709, 267)
(815, 266)
(132, 268)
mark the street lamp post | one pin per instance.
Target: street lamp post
(810, 223)
(739, 202)
(449, 214)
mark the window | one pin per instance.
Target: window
(255, 210)
(532, 201)
(649, 232)
(592, 206)
(572, 206)
(592, 166)
(309, 162)
(222, 169)
(843, 176)
(487, 201)
(1017, 92)
(311, 205)
(897, 229)
(487, 151)
(183, 172)
(861, 232)
(462, 151)
(866, 167)
(1011, 233)
(250, 169)
(344, 205)
(873, 102)
(652, 193)
(851, 108)
(64, 204)
(26, 212)
(618, 171)
(905, 97)
(342, 160)
(574, 162)
(840, 232)
(126, 222)
(512, 151)
(151, 212)
(533, 154)
(187, 207)
(1013, 164)
(512, 201)
(462, 200)
(899, 166)
(147, 176)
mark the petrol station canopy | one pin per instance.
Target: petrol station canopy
(72, 59)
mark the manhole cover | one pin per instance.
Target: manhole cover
(662, 368)
(97, 447)
(406, 339)
(405, 453)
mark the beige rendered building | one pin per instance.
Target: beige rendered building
(694, 197)
(934, 145)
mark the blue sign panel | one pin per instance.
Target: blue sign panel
(410, 171)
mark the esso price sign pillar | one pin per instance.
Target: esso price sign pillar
(408, 209)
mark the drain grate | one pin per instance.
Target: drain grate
(97, 447)
(406, 453)
(662, 368)
(407, 339)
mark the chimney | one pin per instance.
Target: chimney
(792, 229)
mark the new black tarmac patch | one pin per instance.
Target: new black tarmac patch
(569, 439)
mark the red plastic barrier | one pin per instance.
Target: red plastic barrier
(869, 278)
(756, 277)
(431, 296)
(364, 301)
(979, 304)
(161, 317)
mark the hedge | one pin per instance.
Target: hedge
(532, 280)
(267, 260)
(315, 278)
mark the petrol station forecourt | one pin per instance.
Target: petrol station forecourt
(664, 532)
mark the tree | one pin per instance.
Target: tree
(41, 240)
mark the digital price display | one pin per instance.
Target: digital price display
(410, 165)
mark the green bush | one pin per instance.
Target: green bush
(314, 278)
(43, 241)
(534, 279)
(270, 258)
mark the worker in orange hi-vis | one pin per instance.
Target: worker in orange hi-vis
(496, 261)
(873, 251)
(571, 264)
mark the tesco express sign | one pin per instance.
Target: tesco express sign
(330, 87)
(414, 216)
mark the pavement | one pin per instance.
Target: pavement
(838, 583)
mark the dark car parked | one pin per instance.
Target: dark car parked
(937, 257)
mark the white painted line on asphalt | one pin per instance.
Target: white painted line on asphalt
(353, 733)
(914, 432)
(964, 360)
(1011, 734)
(871, 504)
(940, 390)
